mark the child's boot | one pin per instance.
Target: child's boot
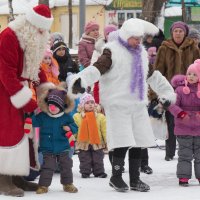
(70, 188)
(183, 182)
(42, 190)
(101, 175)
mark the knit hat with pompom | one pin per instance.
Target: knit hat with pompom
(90, 26)
(195, 68)
(85, 98)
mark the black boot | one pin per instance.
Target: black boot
(134, 173)
(110, 155)
(116, 180)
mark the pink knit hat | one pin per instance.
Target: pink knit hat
(108, 29)
(180, 25)
(48, 52)
(195, 68)
(90, 26)
(85, 98)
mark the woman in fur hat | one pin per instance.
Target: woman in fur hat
(123, 74)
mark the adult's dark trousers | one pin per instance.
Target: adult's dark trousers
(144, 157)
(170, 143)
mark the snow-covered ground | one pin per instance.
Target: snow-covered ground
(163, 183)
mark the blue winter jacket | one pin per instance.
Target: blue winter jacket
(52, 136)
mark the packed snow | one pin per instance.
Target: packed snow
(163, 183)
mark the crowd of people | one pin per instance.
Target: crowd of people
(54, 106)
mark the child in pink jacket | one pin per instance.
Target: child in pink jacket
(186, 113)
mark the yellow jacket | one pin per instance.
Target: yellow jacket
(101, 124)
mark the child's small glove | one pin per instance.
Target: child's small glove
(182, 115)
(71, 138)
(27, 125)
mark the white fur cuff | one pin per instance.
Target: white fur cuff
(21, 98)
(161, 86)
(88, 77)
(91, 74)
(15, 159)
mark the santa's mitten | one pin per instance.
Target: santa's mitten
(27, 125)
(71, 138)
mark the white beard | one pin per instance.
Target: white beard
(33, 44)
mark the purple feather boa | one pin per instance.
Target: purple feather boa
(137, 74)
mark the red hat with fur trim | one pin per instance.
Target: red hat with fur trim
(195, 68)
(40, 16)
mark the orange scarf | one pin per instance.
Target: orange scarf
(88, 130)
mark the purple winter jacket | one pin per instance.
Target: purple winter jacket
(189, 103)
(85, 50)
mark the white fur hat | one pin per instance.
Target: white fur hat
(40, 16)
(135, 27)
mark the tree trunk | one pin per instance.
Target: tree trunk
(151, 10)
(11, 16)
(183, 11)
(70, 23)
(46, 2)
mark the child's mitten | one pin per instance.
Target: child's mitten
(71, 138)
(27, 125)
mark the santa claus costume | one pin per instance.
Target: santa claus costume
(22, 45)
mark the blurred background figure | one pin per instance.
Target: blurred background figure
(195, 35)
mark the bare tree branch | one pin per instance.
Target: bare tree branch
(151, 9)
(11, 15)
(70, 23)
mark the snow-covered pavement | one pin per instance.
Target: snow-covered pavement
(163, 183)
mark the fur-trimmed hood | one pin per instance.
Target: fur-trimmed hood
(43, 91)
(178, 80)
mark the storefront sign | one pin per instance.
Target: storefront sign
(125, 4)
